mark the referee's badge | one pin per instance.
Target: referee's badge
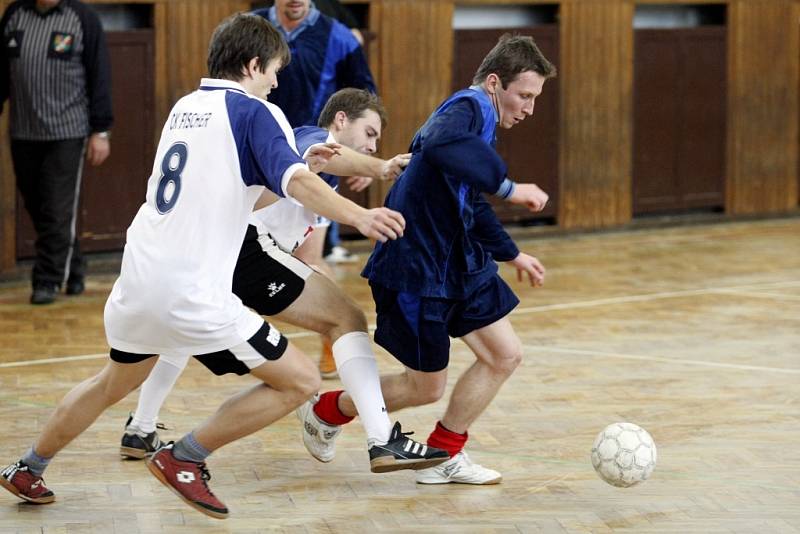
(13, 43)
(61, 45)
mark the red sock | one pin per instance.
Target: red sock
(328, 410)
(441, 438)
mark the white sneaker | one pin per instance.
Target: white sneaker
(459, 470)
(341, 255)
(318, 436)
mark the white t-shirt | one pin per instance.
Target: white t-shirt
(218, 149)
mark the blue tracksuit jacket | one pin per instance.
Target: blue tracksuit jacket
(452, 235)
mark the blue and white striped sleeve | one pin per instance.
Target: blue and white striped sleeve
(265, 143)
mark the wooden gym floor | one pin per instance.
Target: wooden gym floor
(691, 332)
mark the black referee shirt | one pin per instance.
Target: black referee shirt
(54, 68)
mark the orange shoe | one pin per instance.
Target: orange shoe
(327, 365)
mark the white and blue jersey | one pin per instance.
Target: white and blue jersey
(286, 221)
(453, 235)
(219, 148)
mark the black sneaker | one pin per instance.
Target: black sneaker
(44, 293)
(136, 444)
(403, 453)
(75, 287)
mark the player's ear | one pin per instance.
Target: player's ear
(340, 118)
(493, 83)
(253, 66)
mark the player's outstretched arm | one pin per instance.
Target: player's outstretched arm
(531, 266)
(529, 195)
(318, 156)
(352, 163)
(389, 169)
(316, 195)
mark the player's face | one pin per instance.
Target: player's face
(515, 102)
(361, 134)
(293, 9)
(46, 4)
(268, 80)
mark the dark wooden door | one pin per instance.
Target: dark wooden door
(112, 193)
(531, 148)
(679, 119)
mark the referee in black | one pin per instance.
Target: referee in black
(54, 69)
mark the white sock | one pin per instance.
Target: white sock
(155, 390)
(358, 371)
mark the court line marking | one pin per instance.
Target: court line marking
(533, 309)
(662, 359)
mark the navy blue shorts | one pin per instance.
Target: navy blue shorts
(417, 330)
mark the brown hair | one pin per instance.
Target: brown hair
(354, 102)
(240, 38)
(511, 56)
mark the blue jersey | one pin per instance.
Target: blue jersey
(325, 58)
(452, 234)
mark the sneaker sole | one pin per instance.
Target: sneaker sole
(387, 464)
(440, 481)
(161, 478)
(13, 489)
(131, 453)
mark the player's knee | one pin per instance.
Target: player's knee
(112, 391)
(428, 392)
(308, 383)
(507, 362)
(349, 318)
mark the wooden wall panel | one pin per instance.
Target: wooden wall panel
(763, 106)
(596, 104)
(413, 69)
(185, 33)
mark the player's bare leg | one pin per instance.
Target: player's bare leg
(287, 383)
(85, 402)
(323, 307)
(310, 251)
(499, 352)
(74, 414)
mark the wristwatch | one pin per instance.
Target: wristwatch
(103, 135)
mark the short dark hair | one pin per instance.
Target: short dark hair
(510, 57)
(354, 102)
(240, 38)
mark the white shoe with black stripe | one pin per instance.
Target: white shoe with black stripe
(403, 453)
(459, 470)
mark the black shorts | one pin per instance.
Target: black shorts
(266, 278)
(268, 344)
(417, 330)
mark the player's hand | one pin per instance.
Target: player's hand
(529, 195)
(319, 155)
(392, 168)
(381, 224)
(530, 265)
(97, 149)
(358, 183)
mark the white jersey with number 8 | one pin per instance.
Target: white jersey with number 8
(218, 148)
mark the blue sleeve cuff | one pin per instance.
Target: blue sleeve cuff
(506, 189)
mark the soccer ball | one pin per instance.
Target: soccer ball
(624, 454)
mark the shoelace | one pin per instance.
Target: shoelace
(205, 475)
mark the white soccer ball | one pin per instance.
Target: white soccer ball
(624, 454)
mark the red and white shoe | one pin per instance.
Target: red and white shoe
(18, 479)
(188, 480)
